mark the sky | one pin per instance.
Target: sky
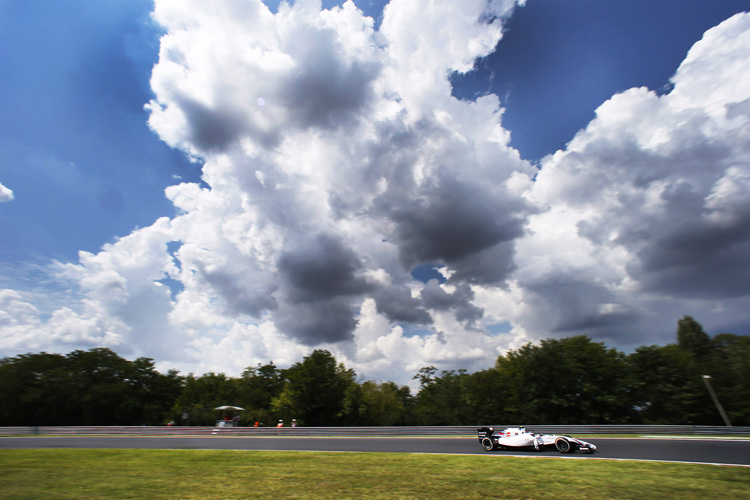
(408, 183)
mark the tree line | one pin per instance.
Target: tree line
(560, 381)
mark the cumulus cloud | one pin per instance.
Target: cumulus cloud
(398, 304)
(6, 194)
(649, 201)
(336, 161)
(437, 298)
(327, 185)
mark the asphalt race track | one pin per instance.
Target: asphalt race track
(715, 451)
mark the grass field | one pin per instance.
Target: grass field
(199, 474)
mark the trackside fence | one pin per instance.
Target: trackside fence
(468, 431)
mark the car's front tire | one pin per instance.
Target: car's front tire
(563, 445)
(487, 444)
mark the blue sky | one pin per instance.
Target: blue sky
(76, 149)
(86, 167)
(559, 61)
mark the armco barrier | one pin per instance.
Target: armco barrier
(469, 431)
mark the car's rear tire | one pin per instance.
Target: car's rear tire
(487, 444)
(563, 445)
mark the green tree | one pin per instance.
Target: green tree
(152, 394)
(669, 383)
(110, 390)
(95, 387)
(314, 390)
(571, 380)
(729, 367)
(667, 388)
(692, 338)
(98, 382)
(439, 400)
(486, 396)
(566, 381)
(200, 395)
(455, 397)
(257, 388)
(35, 390)
(370, 404)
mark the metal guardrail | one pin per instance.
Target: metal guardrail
(694, 430)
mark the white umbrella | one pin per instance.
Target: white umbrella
(229, 408)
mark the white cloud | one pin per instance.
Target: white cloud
(648, 204)
(335, 161)
(24, 329)
(6, 194)
(448, 39)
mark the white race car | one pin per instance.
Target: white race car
(520, 438)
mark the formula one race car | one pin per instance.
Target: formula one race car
(520, 438)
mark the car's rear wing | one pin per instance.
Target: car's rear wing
(483, 432)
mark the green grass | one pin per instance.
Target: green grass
(199, 474)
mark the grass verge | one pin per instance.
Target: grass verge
(199, 474)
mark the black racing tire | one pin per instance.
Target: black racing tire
(488, 444)
(563, 445)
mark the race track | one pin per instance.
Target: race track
(714, 451)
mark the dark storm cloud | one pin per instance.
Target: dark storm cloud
(319, 281)
(329, 95)
(397, 304)
(315, 323)
(451, 218)
(697, 260)
(592, 323)
(327, 89)
(452, 222)
(322, 269)
(487, 267)
(241, 297)
(690, 249)
(211, 129)
(566, 304)
(434, 297)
